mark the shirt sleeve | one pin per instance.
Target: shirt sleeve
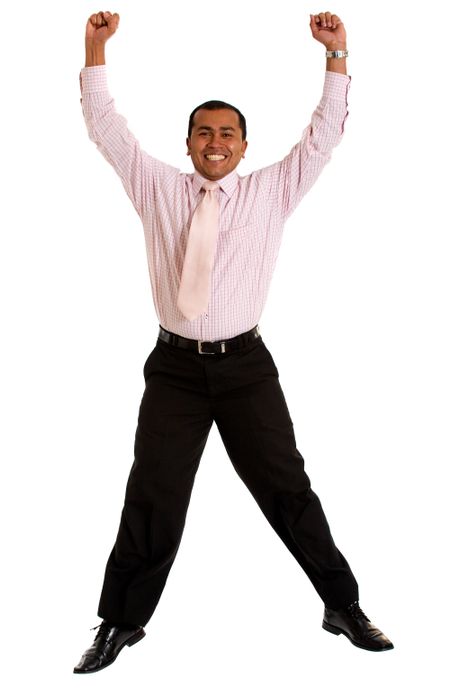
(141, 175)
(287, 181)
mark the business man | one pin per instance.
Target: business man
(212, 239)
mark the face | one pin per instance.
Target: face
(216, 144)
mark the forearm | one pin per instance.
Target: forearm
(290, 179)
(108, 129)
(338, 65)
(95, 54)
(141, 174)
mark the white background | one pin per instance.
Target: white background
(356, 320)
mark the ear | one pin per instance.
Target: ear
(244, 147)
(188, 145)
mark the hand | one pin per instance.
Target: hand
(101, 26)
(328, 29)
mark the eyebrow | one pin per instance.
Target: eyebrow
(210, 128)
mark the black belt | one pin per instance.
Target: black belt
(209, 347)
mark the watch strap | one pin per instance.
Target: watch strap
(337, 54)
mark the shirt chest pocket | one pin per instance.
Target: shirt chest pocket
(234, 238)
(238, 247)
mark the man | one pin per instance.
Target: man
(212, 239)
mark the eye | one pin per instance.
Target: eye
(227, 135)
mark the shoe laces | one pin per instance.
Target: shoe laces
(356, 611)
(103, 629)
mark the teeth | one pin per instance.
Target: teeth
(215, 158)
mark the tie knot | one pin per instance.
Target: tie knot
(210, 186)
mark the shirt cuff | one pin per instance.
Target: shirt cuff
(93, 79)
(336, 85)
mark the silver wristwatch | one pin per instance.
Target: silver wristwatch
(337, 54)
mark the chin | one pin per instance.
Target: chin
(214, 175)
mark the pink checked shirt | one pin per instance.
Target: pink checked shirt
(253, 209)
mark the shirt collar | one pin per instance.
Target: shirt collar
(227, 184)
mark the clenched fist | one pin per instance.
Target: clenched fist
(101, 26)
(328, 29)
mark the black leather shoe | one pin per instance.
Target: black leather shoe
(108, 643)
(354, 624)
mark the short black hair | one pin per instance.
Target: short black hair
(215, 105)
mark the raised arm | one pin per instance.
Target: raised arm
(140, 173)
(287, 181)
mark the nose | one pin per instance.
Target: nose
(215, 139)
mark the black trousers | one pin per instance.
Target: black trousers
(185, 392)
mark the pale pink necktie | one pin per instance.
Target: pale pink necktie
(195, 285)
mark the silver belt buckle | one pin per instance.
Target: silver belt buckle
(206, 352)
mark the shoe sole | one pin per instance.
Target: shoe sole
(337, 632)
(131, 641)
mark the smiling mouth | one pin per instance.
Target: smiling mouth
(215, 158)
